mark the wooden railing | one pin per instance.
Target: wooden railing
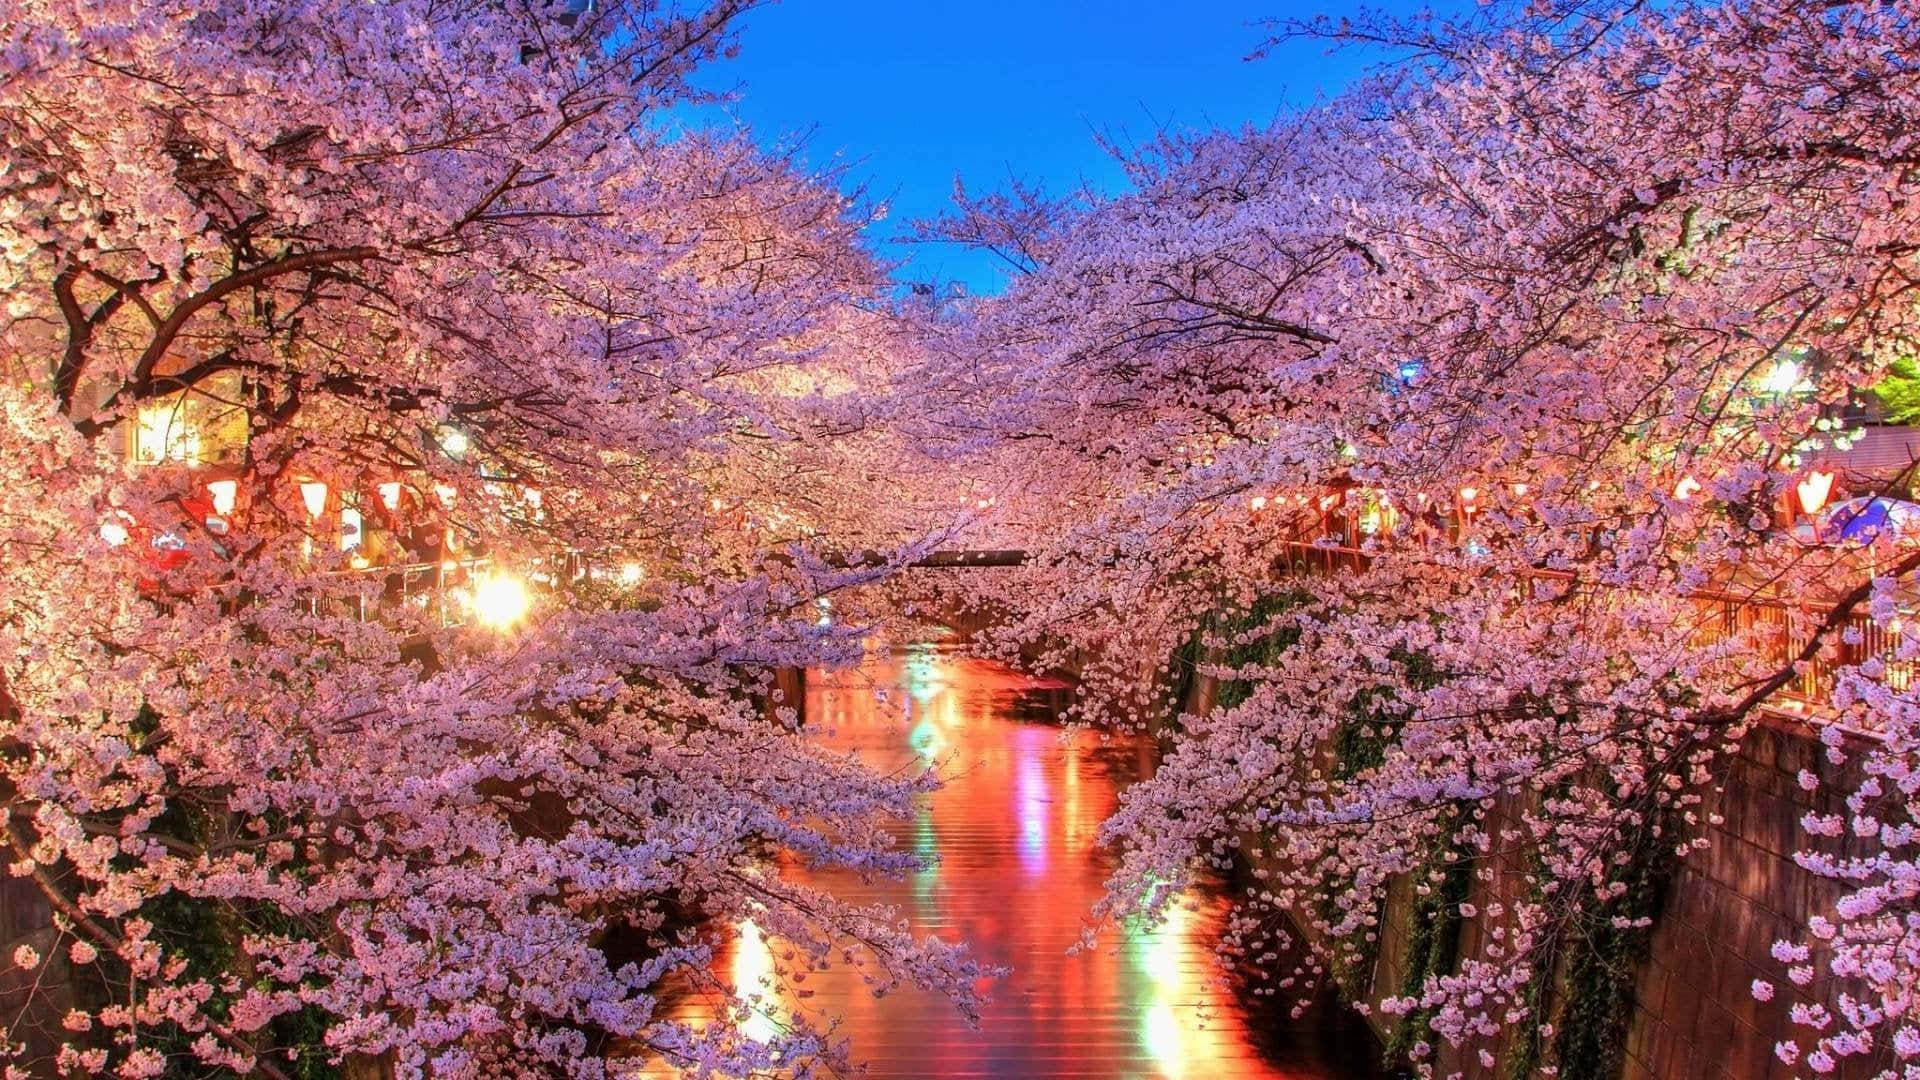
(1778, 630)
(427, 587)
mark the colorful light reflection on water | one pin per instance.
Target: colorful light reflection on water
(1015, 829)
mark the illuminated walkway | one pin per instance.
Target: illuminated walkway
(1015, 830)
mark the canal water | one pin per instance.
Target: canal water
(1014, 830)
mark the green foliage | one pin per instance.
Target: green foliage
(1433, 943)
(206, 934)
(1183, 669)
(1360, 744)
(1266, 646)
(1370, 726)
(1899, 392)
(1603, 962)
(1590, 969)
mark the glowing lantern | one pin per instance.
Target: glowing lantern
(445, 493)
(1259, 502)
(113, 532)
(500, 601)
(349, 528)
(314, 494)
(631, 573)
(1520, 491)
(222, 493)
(1467, 496)
(390, 496)
(454, 442)
(1685, 489)
(1814, 491)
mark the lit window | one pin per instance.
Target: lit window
(163, 432)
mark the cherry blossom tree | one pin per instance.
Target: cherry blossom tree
(1527, 293)
(309, 302)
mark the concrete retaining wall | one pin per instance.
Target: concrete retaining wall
(1694, 1016)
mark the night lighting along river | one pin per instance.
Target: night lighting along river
(1015, 830)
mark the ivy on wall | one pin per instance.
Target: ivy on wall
(1183, 673)
(1586, 973)
(1264, 646)
(206, 934)
(1605, 946)
(1433, 936)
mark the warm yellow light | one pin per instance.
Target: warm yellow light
(314, 494)
(453, 441)
(1520, 490)
(349, 528)
(1467, 495)
(445, 493)
(113, 532)
(1259, 502)
(1814, 491)
(1685, 489)
(162, 433)
(390, 495)
(223, 493)
(631, 574)
(1784, 378)
(501, 601)
(753, 972)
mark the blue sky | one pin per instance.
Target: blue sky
(910, 94)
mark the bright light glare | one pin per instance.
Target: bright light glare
(631, 574)
(500, 601)
(113, 533)
(753, 983)
(1784, 378)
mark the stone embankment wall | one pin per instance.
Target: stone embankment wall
(33, 998)
(1693, 1015)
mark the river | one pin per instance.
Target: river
(1014, 831)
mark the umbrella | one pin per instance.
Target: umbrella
(1862, 521)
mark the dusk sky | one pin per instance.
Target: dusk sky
(912, 94)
